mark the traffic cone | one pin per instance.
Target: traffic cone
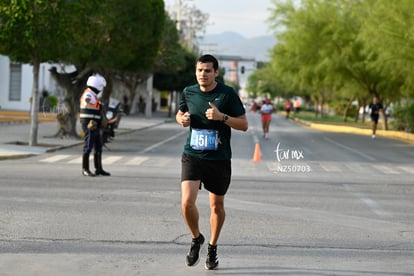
(256, 154)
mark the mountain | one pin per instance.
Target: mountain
(231, 43)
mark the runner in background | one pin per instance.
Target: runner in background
(266, 110)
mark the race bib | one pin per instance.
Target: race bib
(204, 139)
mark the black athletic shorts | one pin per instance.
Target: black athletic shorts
(375, 118)
(214, 174)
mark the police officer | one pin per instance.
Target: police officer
(90, 118)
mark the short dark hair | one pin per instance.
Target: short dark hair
(207, 59)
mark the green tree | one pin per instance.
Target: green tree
(263, 83)
(176, 80)
(321, 51)
(118, 39)
(28, 32)
(112, 37)
(387, 28)
(134, 49)
(180, 78)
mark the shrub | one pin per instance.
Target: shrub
(340, 106)
(53, 100)
(404, 117)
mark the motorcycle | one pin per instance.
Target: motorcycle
(113, 114)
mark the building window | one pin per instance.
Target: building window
(15, 87)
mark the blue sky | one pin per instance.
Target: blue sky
(246, 17)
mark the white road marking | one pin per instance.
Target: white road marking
(374, 206)
(330, 168)
(350, 149)
(136, 161)
(355, 167)
(111, 159)
(55, 158)
(162, 142)
(77, 160)
(385, 169)
(406, 169)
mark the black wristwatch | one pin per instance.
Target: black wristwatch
(225, 118)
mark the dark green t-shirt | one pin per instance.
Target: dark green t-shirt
(196, 102)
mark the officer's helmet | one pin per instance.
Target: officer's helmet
(96, 81)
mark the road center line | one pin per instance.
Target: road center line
(350, 149)
(162, 142)
(374, 206)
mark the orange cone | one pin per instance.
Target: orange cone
(256, 155)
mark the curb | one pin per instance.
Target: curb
(391, 134)
(17, 156)
(9, 117)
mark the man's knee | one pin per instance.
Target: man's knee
(217, 204)
(187, 204)
(188, 198)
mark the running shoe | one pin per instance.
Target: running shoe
(212, 259)
(192, 257)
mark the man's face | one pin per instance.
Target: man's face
(205, 74)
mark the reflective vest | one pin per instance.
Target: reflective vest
(89, 110)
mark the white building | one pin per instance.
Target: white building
(16, 82)
(237, 70)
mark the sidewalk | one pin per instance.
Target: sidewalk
(15, 132)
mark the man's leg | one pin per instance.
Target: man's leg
(374, 126)
(87, 148)
(264, 127)
(267, 123)
(189, 191)
(217, 216)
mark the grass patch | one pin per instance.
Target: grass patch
(330, 119)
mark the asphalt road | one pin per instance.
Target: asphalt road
(315, 204)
